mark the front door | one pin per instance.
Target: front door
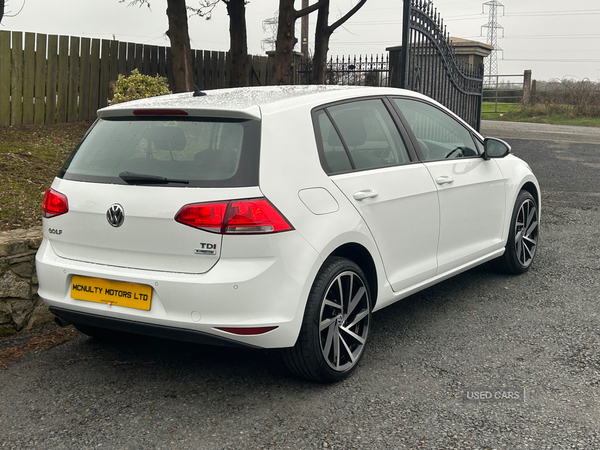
(471, 190)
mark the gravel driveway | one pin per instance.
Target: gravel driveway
(482, 361)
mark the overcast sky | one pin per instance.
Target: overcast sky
(553, 38)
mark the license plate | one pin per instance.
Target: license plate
(118, 293)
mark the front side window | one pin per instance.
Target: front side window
(188, 152)
(359, 135)
(439, 135)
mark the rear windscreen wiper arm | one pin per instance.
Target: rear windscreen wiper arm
(140, 178)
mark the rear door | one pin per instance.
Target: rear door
(362, 150)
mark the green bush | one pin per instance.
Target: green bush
(138, 86)
(568, 97)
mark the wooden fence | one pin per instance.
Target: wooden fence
(48, 79)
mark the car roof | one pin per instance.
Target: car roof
(248, 102)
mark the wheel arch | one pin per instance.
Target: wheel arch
(533, 190)
(362, 257)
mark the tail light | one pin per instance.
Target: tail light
(253, 216)
(54, 204)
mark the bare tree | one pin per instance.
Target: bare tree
(181, 53)
(4, 12)
(238, 41)
(323, 33)
(286, 39)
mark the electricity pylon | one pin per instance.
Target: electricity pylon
(491, 62)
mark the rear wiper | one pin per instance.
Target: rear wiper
(140, 178)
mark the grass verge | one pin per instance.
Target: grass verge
(30, 158)
(550, 114)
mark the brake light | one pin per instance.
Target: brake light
(159, 112)
(234, 217)
(54, 204)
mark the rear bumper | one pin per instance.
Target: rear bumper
(159, 331)
(237, 292)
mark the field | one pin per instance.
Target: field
(513, 112)
(496, 111)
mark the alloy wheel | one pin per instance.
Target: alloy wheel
(344, 321)
(526, 232)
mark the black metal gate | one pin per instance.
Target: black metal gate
(429, 64)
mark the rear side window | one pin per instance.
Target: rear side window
(359, 135)
(193, 152)
(335, 154)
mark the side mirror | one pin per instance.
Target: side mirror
(495, 148)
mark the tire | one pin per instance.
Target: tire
(336, 323)
(102, 334)
(523, 237)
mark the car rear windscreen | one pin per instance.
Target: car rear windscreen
(168, 151)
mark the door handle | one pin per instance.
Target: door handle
(367, 193)
(444, 180)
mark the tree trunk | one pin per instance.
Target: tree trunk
(2, 3)
(181, 53)
(238, 42)
(284, 48)
(286, 39)
(322, 34)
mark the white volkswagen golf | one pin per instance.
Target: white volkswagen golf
(276, 217)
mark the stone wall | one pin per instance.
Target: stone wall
(20, 306)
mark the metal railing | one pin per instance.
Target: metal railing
(501, 89)
(357, 70)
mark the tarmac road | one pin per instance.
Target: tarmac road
(541, 132)
(482, 361)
